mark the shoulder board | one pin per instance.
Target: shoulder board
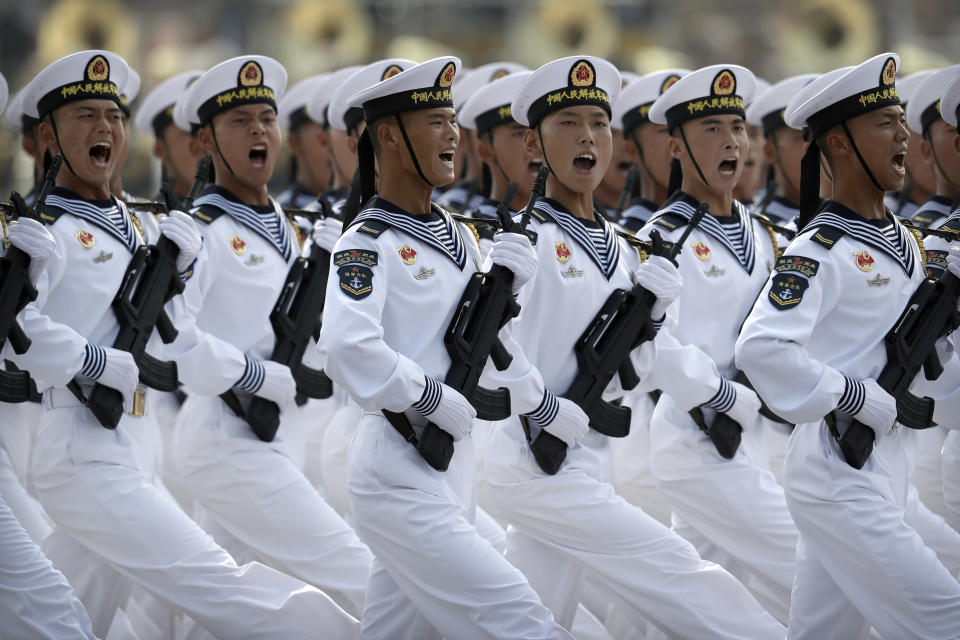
(540, 217)
(207, 214)
(372, 228)
(632, 224)
(826, 236)
(953, 224)
(51, 214)
(924, 218)
(671, 221)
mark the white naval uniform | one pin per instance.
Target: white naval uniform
(733, 506)
(393, 289)
(251, 488)
(90, 479)
(567, 526)
(862, 558)
(637, 214)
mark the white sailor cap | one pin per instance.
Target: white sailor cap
(924, 107)
(809, 90)
(4, 92)
(867, 87)
(344, 116)
(471, 81)
(626, 77)
(568, 82)
(760, 85)
(766, 109)
(489, 107)
(15, 114)
(86, 75)
(293, 105)
(908, 84)
(719, 89)
(235, 82)
(423, 86)
(318, 104)
(129, 91)
(156, 110)
(632, 107)
(950, 102)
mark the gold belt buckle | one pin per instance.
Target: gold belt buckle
(139, 403)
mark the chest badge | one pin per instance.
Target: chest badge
(85, 238)
(238, 245)
(878, 281)
(713, 272)
(864, 260)
(563, 252)
(701, 250)
(572, 272)
(253, 260)
(424, 273)
(103, 257)
(407, 254)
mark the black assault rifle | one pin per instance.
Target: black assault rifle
(16, 291)
(486, 305)
(296, 320)
(150, 282)
(621, 325)
(930, 315)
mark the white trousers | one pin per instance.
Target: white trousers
(573, 523)
(632, 475)
(863, 562)
(735, 503)
(257, 494)
(927, 473)
(951, 478)
(89, 481)
(434, 575)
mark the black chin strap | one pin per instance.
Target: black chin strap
(543, 151)
(213, 132)
(809, 185)
(856, 150)
(643, 162)
(496, 161)
(692, 158)
(413, 154)
(63, 152)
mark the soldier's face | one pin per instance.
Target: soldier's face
(179, 156)
(434, 135)
(754, 166)
(91, 135)
(616, 176)
(520, 163)
(578, 146)
(249, 139)
(882, 137)
(941, 150)
(785, 149)
(719, 144)
(654, 141)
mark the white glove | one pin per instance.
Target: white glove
(746, 406)
(278, 384)
(570, 423)
(658, 276)
(953, 260)
(326, 232)
(182, 230)
(879, 410)
(447, 408)
(514, 251)
(32, 238)
(120, 372)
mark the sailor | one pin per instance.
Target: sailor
(88, 478)
(571, 524)
(921, 181)
(862, 560)
(751, 185)
(935, 144)
(30, 142)
(402, 265)
(646, 143)
(128, 93)
(309, 141)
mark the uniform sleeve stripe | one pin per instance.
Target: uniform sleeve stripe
(723, 400)
(853, 396)
(546, 412)
(94, 362)
(430, 399)
(252, 378)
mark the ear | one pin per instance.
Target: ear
(293, 141)
(926, 151)
(484, 149)
(352, 143)
(47, 137)
(532, 143)
(322, 138)
(837, 143)
(387, 137)
(205, 138)
(631, 148)
(196, 147)
(956, 142)
(769, 152)
(676, 150)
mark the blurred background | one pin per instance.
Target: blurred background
(162, 37)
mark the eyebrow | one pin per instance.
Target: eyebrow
(98, 109)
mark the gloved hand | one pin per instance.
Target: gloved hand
(120, 372)
(879, 410)
(278, 384)
(326, 232)
(746, 406)
(447, 408)
(660, 277)
(514, 251)
(182, 230)
(568, 421)
(32, 238)
(953, 260)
